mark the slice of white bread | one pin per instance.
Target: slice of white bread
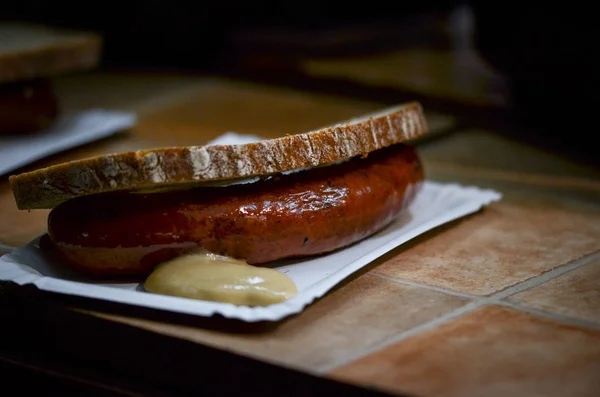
(29, 51)
(181, 167)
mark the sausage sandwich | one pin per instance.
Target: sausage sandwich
(293, 196)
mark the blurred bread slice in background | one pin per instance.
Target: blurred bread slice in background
(29, 51)
(30, 55)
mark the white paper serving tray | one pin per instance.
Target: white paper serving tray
(435, 205)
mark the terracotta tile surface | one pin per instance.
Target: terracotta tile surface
(502, 245)
(493, 351)
(575, 294)
(433, 73)
(362, 313)
(575, 191)
(482, 149)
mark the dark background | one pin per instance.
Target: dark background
(546, 52)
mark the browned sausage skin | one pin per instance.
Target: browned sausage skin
(305, 213)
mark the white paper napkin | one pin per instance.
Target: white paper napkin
(67, 132)
(435, 205)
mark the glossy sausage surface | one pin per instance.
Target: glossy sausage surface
(294, 215)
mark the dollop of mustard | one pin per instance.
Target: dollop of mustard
(219, 278)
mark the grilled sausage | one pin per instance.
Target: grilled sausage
(304, 213)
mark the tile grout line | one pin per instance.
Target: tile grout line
(551, 274)
(521, 286)
(425, 286)
(469, 307)
(549, 315)
(476, 303)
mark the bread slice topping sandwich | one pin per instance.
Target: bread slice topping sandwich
(207, 221)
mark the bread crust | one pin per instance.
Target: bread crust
(180, 167)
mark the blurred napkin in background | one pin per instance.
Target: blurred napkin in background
(67, 132)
